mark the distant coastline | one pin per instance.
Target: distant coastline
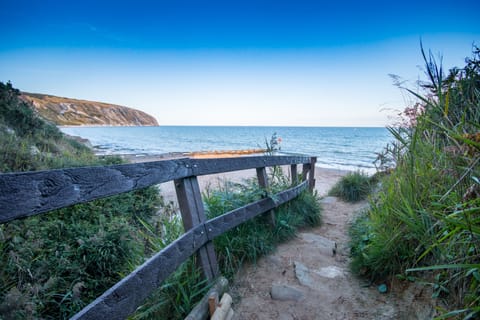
(103, 126)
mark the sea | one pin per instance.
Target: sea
(345, 148)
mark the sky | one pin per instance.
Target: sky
(249, 63)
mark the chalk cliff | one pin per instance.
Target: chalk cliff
(74, 112)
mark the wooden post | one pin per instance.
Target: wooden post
(293, 171)
(263, 182)
(311, 175)
(193, 214)
(305, 170)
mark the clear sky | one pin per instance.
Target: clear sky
(297, 63)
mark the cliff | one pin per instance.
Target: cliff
(73, 112)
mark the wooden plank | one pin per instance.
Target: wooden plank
(221, 224)
(29, 193)
(126, 296)
(193, 214)
(123, 298)
(293, 173)
(211, 166)
(201, 310)
(263, 183)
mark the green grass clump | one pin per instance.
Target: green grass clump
(424, 221)
(353, 187)
(257, 237)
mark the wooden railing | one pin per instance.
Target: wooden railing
(30, 193)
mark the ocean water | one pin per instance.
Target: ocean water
(335, 147)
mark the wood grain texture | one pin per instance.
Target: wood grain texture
(193, 214)
(29, 193)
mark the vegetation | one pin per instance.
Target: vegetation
(353, 187)
(245, 243)
(257, 237)
(55, 264)
(424, 221)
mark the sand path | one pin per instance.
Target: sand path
(303, 279)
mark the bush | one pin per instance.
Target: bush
(56, 263)
(353, 187)
(425, 215)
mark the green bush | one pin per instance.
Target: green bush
(353, 187)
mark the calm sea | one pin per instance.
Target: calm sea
(335, 147)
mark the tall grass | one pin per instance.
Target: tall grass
(353, 187)
(425, 216)
(258, 237)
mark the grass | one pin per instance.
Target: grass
(245, 243)
(423, 223)
(55, 264)
(353, 187)
(257, 237)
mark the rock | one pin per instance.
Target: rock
(285, 292)
(330, 272)
(324, 245)
(303, 274)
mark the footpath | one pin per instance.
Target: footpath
(309, 278)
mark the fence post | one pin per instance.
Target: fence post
(263, 183)
(311, 175)
(293, 171)
(193, 214)
(309, 169)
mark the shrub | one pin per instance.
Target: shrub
(353, 187)
(56, 263)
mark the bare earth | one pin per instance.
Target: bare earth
(305, 280)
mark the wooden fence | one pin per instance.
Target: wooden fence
(30, 193)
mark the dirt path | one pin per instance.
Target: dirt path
(303, 279)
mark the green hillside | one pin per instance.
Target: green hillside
(56, 263)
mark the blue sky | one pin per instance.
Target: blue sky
(307, 63)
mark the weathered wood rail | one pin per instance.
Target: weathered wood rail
(30, 193)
